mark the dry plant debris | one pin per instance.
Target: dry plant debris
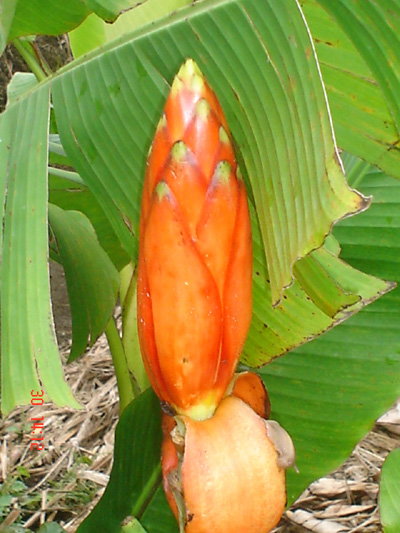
(64, 481)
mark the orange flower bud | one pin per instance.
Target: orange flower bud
(195, 256)
(226, 473)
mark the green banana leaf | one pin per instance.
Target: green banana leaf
(50, 17)
(327, 394)
(358, 102)
(358, 44)
(136, 474)
(20, 83)
(72, 195)
(7, 10)
(109, 10)
(27, 331)
(46, 17)
(283, 136)
(389, 496)
(325, 292)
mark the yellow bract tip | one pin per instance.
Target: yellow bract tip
(189, 76)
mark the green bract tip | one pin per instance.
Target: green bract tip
(179, 151)
(162, 190)
(189, 75)
(162, 122)
(223, 136)
(222, 171)
(202, 109)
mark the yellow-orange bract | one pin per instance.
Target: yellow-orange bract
(195, 256)
(227, 473)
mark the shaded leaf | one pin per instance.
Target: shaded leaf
(57, 155)
(50, 527)
(110, 9)
(32, 17)
(158, 517)
(94, 32)
(72, 196)
(46, 17)
(7, 10)
(28, 343)
(136, 471)
(20, 83)
(390, 493)
(92, 280)
(374, 30)
(329, 392)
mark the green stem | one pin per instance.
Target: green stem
(126, 386)
(30, 58)
(66, 174)
(56, 148)
(130, 339)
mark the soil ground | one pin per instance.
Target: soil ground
(64, 482)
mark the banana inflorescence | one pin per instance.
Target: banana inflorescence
(223, 463)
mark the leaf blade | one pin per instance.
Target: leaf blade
(136, 465)
(390, 493)
(359, 107)
(339, 383)
(28, 337)
(92, 280)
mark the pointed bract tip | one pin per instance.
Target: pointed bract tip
(188, 70)
(177, 86)
(223, 136)
(162, 123)
(179, 151)
(162, 190)
(202, 109)
(222, 172)
(189, 76)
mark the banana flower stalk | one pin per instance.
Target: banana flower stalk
(195, 256)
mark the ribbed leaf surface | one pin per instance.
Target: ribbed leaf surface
(270, 89)
(357, 45)
(28, 343)
(74, 196)
(313, 304)
(328, 392)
